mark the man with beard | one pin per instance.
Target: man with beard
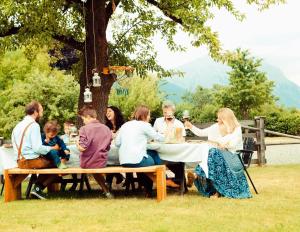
(27, 144)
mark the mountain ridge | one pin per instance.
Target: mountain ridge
(206, 72)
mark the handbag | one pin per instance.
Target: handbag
(38, 163)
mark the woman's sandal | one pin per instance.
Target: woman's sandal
(216, 195)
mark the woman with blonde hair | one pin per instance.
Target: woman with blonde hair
(225, 176)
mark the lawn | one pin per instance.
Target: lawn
(276, 208)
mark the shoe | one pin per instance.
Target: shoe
(108, 195)
(215, 196)
(62, 166)
(171, 183)
(190, 179)
(38, 193)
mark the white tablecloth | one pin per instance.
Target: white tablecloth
(9, 160)
(183, 152)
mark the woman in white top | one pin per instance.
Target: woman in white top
(132, 142)
(225, 172)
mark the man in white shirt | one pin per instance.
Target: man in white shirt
(167, 125)
(32, 150)
(168, 122)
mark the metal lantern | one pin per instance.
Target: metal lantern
(96, 80)
(87, 95)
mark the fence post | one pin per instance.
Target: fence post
(260, 138)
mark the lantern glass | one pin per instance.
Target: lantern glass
(87, 95)
(96, 80)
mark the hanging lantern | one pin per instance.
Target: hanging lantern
(87, 96)
(96, 80)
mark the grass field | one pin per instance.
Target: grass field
(276, 208)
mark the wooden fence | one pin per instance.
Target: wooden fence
(256, 129)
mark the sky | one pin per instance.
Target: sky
(273, 35)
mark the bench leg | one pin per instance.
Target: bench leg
(87, 183)
(82, 176)
(2, 182)
(12, 189)
(161, 186)
(2, 188)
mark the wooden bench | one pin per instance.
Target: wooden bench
(15, 176)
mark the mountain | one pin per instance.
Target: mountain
(206, 72)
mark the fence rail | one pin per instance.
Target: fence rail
(282, 134)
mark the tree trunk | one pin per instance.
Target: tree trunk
(96, 57)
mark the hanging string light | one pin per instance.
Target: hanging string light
(96, 77)
(87, 95)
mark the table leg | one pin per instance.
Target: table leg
(183, 187)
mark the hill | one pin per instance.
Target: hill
(206, 72)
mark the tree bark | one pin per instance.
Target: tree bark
(96, 57)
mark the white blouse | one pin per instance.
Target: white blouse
(232, 141)
(132, 141)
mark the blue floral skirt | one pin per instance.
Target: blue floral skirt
(225, 175)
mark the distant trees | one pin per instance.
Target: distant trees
(201, 104)
(249, 88)
(140, 91)
(22, 80)
(249, 93)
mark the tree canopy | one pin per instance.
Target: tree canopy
(112, 32)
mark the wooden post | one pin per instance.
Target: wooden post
(161, 187)
(260, 139)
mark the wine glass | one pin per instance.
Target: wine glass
(185, 115)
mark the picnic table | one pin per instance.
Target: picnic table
(177, 153)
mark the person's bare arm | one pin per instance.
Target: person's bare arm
(80, 148)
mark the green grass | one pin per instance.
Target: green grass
(276, 208)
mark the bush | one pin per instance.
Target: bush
(281, 119)
(57, 92)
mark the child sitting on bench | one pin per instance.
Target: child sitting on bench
(61, 154)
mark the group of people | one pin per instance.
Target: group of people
(225, 176)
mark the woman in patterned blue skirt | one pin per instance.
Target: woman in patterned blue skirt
(225, 175)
